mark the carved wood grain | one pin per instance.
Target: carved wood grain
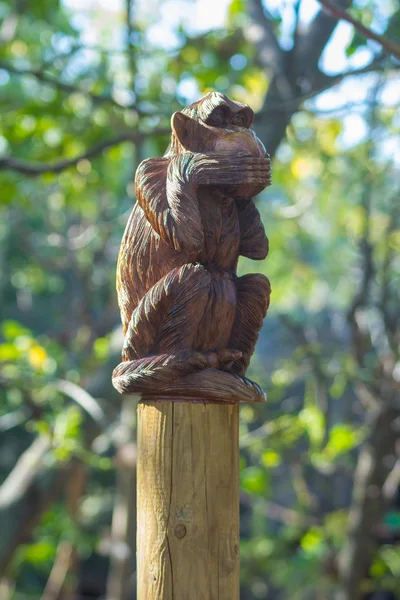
(190, 323)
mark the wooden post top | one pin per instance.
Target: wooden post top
(190, 323)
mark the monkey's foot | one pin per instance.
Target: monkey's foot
(209, 386)
(226, 358)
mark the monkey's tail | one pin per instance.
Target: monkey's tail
(158, 379)
(145, 375)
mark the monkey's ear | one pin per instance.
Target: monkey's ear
(190, 133)
(179, 123)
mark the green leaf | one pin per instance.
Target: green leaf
(342, 438)
(357, 41)
(313, 419)
(67, 430)
(12, 329)
(40, 552)
(9, 352)
(312, 541)
(392, 520)
(271, 458)
(254, 480)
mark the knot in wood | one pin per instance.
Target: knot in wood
(180, 531)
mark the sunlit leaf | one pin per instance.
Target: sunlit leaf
(254, 480)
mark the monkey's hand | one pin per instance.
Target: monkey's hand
(246, 174)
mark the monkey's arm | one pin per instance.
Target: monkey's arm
(167, 195)
(166, 190)
(253, 241)
(233, 168)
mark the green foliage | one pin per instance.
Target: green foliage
(331, 207)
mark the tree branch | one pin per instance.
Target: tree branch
(32, 486)
(368, 499)
(340, 14)
(41, 76)
(361, 340)
(59, 572)
(29, 463)
(390, 320)
(38, 168)
(296, 27)
(321, 377)
(300, 70)
(324, 82)
(85, 400)
(366, 252)
(272, 132)
(261, 33)
(65, 562)
(368, 504)
(312, 41)
(24, 495)
(282, 514)
(120, 584)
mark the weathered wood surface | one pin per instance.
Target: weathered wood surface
(188, 501)
(190, 323)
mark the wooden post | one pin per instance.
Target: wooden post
(188, 501)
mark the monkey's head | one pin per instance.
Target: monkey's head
(215, 124)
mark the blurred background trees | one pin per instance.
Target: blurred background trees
(86, 92)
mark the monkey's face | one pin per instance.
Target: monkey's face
(215, 124)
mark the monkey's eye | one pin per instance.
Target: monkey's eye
(239, 120)
(217, 118)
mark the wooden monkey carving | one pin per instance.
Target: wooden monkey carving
(190, 323)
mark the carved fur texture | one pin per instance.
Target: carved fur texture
(190, 323)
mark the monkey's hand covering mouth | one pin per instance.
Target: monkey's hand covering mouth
(242, 175)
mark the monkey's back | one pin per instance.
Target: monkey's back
(144, 258)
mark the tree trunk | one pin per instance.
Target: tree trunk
(188, 501)
(368, 504)
(273, 119)
(121, 575)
